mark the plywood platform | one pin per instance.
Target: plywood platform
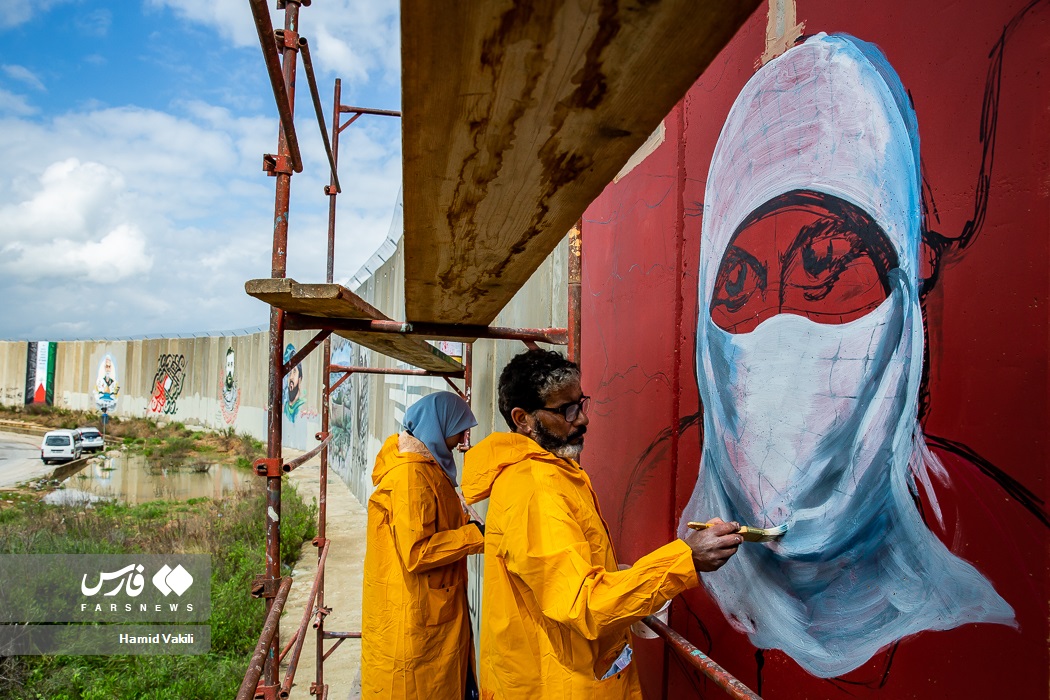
(333, 301)
(515, 117)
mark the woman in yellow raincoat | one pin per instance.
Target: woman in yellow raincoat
(415, 627)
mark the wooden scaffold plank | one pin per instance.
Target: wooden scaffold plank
(316, 302)
(516, 115)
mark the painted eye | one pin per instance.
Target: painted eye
(740, 276)
(804, 253)
(836, 269)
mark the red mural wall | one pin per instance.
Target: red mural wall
(976, 76)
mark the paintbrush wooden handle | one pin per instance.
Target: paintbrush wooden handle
(750, 534)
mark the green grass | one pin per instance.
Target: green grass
(232, 530)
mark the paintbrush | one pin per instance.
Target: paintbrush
(750, 534)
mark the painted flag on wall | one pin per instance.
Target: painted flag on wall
(40, 373)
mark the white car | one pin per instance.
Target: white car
(91, 439)
(60, 446)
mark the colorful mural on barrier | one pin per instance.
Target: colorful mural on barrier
(294, 397)
(852, 230)
(167, 384)
(341, 411)
(107, 387)
(809, 360)
(348, 419)
(40, 373)
(229, 392)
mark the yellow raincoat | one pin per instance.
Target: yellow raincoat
(415, 628)
(556, 611)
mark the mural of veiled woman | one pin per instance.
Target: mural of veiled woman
(809, 363)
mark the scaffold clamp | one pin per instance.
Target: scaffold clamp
(264, 586)
(268, 466)
(267, 692)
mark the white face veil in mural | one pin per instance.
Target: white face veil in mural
(809, 362)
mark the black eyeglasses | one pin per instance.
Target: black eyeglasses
(569, 411)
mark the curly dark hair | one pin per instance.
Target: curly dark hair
(530, 377)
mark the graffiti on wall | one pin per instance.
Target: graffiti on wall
(229, 392)
(361, 461)
(107, 387)
(167, 384)
(341, 411)
(809, 364)
(294, 395)
(40, 373)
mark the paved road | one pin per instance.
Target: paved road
(20, 459)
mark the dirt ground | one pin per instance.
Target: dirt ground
(344, 572)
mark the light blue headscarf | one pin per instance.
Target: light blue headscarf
(435, 417)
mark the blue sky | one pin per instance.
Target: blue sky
(133, 201)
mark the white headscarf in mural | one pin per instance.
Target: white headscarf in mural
(106, 386)
(815, 424)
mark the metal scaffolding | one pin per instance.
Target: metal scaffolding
(262, 681)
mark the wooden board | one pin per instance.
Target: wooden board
(330, 300)
(516, 115)
(335, 301)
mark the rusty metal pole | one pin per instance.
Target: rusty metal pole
(701, 661)
(468, 376)
(575, 291)
(269, 632)
(332, 191)
(275, 394)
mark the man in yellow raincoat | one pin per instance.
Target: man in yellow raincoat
(556, 612)
(415, 627)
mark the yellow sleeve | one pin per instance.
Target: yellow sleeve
(549, 553)
(413, 520)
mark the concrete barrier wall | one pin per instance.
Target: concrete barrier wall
(191, 373)
(13, 358)
(369, 408)
(184, 379)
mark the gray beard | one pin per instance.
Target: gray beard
(557, 446)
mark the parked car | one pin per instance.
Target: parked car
(91, 439)
(61, 446)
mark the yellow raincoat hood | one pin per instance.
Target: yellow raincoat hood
(487, 460)
(390, 457)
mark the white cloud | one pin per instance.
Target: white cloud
(95, 23)
(16, 12)
(150, 222)
(119, 254)
(73, 198)
(125, 220)
(23, 75)
(232, 19)
(71, 228)
(349, 38)
(10, 103)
